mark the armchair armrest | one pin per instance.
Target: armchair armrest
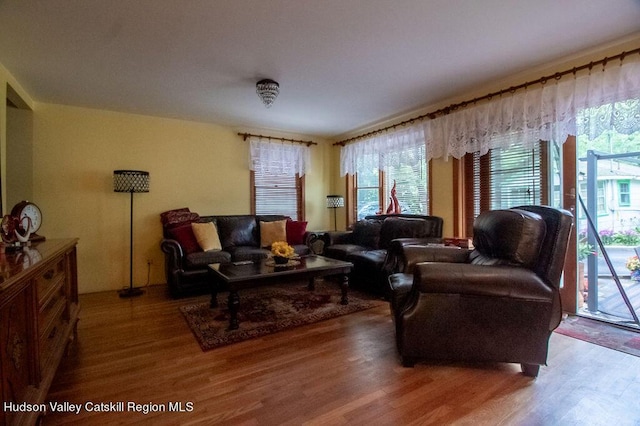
(479, 280)
(409, 255)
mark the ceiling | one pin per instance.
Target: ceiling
(341, 64)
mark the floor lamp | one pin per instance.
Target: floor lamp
(130, 181)
(333, 202)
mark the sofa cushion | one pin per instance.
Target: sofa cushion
(270, 232)
(254, 254)
(203, 258)
(341, 251)
(295, 231)
(507, 237)
(402, 227)
(185, 237)
(207, 236)
(367, 233)
(234, 231)
(301, 249)
(371, 260)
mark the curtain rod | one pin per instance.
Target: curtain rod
(512, 89)
(246, 135)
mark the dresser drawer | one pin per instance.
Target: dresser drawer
(50, 306)
(52, 332)
(46, 283)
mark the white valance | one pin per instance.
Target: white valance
(607, 98)
(374, 149)
(585, 105)
(278, 157)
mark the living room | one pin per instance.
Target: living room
(75, 146)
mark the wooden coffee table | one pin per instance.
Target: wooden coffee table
(239, 276)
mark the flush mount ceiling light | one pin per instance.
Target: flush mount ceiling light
(268, 91)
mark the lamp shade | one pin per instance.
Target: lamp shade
(130, 181)
(335, 201)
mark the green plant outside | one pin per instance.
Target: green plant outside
(625, 238)
(584, 250)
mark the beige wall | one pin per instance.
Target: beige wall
(200, 166)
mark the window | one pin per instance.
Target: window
(504, 178)
(277, 177)
(624, 194)
(601, 194)
(368, 187)
(274, 193)
(407, 167)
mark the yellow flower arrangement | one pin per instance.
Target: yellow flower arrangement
(633, 264)
(282, 249)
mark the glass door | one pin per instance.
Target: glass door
(608, 228)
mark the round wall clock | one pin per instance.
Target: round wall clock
(33, 212)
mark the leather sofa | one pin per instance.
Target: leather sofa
(498, 302)
(239, 235)
(367, 245)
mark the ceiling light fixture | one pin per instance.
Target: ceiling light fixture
(268, 91)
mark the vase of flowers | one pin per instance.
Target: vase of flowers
(281, 252)
(633, 265)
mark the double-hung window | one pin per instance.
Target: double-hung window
(275, 193)
(376, 174)
(505, 178)
(624, 193)
(277, 178)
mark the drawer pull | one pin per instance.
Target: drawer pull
(49, 274)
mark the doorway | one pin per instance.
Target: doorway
(602, 189)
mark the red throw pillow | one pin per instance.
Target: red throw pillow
(185, 236)
(295, 232)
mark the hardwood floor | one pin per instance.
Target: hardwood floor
(340, 371)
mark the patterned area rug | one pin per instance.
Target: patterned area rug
(600, 333)
(266, 310)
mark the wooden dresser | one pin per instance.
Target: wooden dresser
(38, 317)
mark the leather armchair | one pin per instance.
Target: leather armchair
(498, 302)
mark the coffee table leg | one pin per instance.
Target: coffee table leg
(234, 305)
(345, 289)
(312, 284)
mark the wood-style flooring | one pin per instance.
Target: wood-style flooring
(336, 372)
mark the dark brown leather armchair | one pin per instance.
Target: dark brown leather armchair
(498, 303)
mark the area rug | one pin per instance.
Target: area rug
(266, 310)
(600, 333)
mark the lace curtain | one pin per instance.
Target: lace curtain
(278, 157)
(373, 150)
(605, 99)
(608, 98)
